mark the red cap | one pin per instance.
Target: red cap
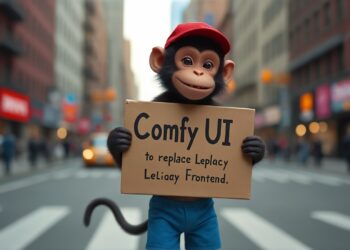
(198, 29)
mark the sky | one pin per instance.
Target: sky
(146, 25)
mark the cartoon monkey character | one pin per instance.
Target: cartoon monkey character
(192, 69)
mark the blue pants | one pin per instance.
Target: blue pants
(168, 218)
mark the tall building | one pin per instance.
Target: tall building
(69, 62)
(319, 36)
(95, 69)
(28, 67)
(113, 10)
(11, 15)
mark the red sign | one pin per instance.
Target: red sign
(14, 106)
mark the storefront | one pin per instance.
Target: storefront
(14, 111)
(325, 113)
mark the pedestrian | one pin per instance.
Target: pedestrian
(346, 147)
(272, 148)
(8, 150)
(33, 149)
(302, 151)
(317, 151)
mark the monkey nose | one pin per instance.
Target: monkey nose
(198, 72)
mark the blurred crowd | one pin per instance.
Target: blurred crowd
(36, 148)
(304, 150)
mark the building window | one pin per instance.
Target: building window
(306, 27)
(316, 22)
(340, 9)
(327, 14)
(340, 59)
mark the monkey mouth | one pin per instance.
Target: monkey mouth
(194, 86)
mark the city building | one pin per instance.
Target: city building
(10, 48)
(63, 108)
(319, 43)
(28, 66)
(113, 10)
(273, 110)
(95, 108)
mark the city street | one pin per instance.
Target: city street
(291, 208)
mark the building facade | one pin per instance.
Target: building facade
(95, 66)
(69, 62)
(28, 67)
(319, 36)
(113, 10)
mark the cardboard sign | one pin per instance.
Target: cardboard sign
(187, 150)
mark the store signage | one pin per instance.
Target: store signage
(323, 101)
(14, 106)
(70, 108)
(341, 96)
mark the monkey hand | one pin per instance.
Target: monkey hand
(254, 147)
(119, 140)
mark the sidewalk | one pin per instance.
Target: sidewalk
(334, 165)
(21, 166)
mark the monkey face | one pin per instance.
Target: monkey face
(194, 78)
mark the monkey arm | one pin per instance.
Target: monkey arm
(254, 147)
(119, 140)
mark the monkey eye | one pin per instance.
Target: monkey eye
(187, 60)
(208, 65)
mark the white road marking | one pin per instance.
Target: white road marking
(109, 234)
(29, 181)
(24, 231)
(96, 174)
(23, 183)
(82, 174)
(59, 176)
(333, 218)
(260, 231)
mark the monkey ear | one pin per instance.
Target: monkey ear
(228, 70)
(156, 59)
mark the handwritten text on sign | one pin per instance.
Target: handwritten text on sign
(187, 150)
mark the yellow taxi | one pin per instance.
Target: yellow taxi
(95, 151)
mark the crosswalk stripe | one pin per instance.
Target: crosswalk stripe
(21, 233)
(109, 234)
(82, 174)
(333, 218)
(59, 176)
(260, 231)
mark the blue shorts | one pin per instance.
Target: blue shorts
(168, 218)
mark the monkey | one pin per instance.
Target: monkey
(192, 69)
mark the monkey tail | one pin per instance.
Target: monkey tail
(131, 229)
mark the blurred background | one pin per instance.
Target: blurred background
(67, 67)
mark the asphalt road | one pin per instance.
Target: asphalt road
(291, 208)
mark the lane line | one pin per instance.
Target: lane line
(260, 231)
(109, 234)
(333, 218)
(24, 231)
(29, 181)
(82, 174)
(96, 174)
(23, 183)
